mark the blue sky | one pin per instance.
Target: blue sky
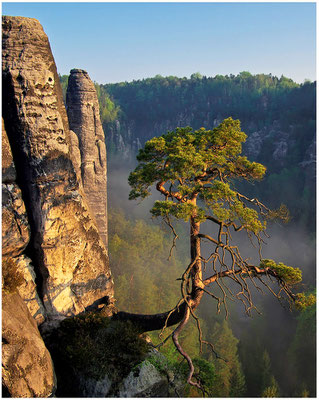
(124, 41)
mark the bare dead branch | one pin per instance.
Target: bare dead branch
(168, 222)
(214, 351)
(202, 235)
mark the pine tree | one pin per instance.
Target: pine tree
(269, 385)
(229, 380)
(196, 172)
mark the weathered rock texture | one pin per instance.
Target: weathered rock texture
(145, 381)
(15, 227)
(27, 369)
(84, 119)
(16, 235)
(69, 258)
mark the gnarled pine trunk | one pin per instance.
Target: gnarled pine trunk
(151, 322)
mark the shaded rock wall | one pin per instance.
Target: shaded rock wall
(70, 260)
(84, 119)
(15, 227)
(16, 235)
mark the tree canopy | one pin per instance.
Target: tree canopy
(195, 164)
(196, 172)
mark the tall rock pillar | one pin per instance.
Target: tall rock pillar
(69, 258)
(84, 119)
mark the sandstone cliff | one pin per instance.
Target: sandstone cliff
(70, 260)
(84, 119)
(16, 236)
(55, 263)
(15, 230)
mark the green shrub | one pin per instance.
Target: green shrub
(94, 346)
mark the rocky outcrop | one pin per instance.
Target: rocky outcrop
(144, 381)
(154, 377)
(84, 119)
(55, 263)
(254, 144)
(281, 146)
(70, 260)
(92, 388)
(309, 164)
(100, 357)
(27, 288)
(27, 369)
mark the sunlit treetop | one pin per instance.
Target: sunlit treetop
(187, 165)
(190, 157)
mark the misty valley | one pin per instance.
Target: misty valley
(268, 353)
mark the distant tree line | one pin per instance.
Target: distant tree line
(260, 99)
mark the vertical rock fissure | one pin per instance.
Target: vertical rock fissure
(24, 179)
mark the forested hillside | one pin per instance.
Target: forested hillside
(277, 114)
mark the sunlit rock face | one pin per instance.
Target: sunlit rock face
(27, 368)
(84, 119)
(69, 258)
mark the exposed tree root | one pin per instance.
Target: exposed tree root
(182, 352)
